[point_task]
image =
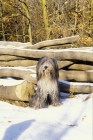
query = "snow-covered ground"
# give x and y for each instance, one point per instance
(70, 121)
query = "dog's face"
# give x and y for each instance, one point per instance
(47, 68)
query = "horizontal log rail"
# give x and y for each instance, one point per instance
(81, 67)
(21, 89)
(19, 63)
(59, 41)
(75, 87)
(79, 76)
(61, 54)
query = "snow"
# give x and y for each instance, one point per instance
(70, 121)
(6, 82)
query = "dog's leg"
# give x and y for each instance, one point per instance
(55, 99)
(33, 99)
(40, 101)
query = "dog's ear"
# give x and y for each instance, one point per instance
(57, 71)
(38, 74)
(56, 68)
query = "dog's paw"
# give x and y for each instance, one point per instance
(57, 104)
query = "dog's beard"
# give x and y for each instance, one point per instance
(47, 83)
(47, 86)
(46, 73)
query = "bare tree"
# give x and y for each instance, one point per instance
(26, 9)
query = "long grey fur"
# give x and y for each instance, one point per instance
(47, 84)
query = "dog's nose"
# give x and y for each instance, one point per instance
(45, 67)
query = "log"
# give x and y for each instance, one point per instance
(75, 87)
(62, 64)
(9, 57)
(16, 89)
(82, 48)
(64, 46)
(54, 42)
(80, 76)
(20, 89)
(17, 72)
(80, 67)
(12, 44)
(19, 63)
(62, 54)
(84, 76)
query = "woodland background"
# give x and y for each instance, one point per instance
(37, 20)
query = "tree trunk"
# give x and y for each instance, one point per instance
(62, 64)
(80, 67)
(1, 12)
(80, 76)
(19, 63)
(45, 18)
(18, 72)
(64, 54)
(60, 41)
(75, 87)
(26, 9)
(18, 90)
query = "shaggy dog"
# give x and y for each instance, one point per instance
(47, 84)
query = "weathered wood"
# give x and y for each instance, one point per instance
(62, 46)
(62, 64)
(17, 90)
(61, 54)
(75, 87)
(19, 63)
(85, 76)
(20, 89)
(9, 57)
(54, 42)
(40, 44)
(80, 76)
(13, 44)
(82, 48)
(81, 67)
(17, 73)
